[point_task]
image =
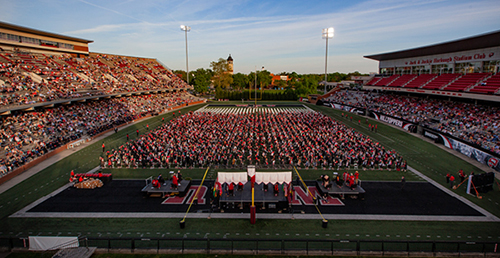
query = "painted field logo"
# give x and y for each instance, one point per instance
(189, 196)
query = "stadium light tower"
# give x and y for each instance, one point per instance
(186, 29)
(327, 34)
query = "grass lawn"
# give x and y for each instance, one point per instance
(421, 155)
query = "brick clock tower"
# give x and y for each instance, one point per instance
(230, 63)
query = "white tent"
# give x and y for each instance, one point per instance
(273, 177)
(232, 177)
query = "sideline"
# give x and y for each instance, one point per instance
(490, 216)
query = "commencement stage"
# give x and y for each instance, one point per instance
(166, 189)
(334, 190)
(262, 198)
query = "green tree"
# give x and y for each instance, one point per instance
(264, 78)
(240, 81)
(221, 76)
(310, 83)
(201, 79)
(182, 74)
(280, 84)
(293, 79)
(251, 80)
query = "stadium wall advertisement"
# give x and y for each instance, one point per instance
(408, 126)
(359, 111)
(450, 142)
(483, 54)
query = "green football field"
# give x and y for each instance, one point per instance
(421, 155)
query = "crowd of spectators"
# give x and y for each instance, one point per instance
(27, 135)
(29, 78)
(476, 124)
(265, 139)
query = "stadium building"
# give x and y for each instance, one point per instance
(464, 68)
(18, 37)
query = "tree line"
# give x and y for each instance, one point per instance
(237, 86)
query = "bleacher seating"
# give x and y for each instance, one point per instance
(420, 80)
(489, 86)
(441, 81)
(30, 77)
(373, 81)
(402, 80)
(387, 80)
(466, 81)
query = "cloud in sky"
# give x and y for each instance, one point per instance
(280, 35)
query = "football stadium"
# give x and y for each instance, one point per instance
(107, 155)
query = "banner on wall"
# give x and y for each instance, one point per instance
(43, 243)
(410, 127)
(347, 108)
(471, 152)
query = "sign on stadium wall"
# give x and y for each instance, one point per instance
(410, 127)
(433, 136)
(346, 108)
(485, 54)
(471, 152)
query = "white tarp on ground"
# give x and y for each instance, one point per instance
(232, 177)
(273, 177)
(42, 243)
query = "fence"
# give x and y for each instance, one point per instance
(276, 246)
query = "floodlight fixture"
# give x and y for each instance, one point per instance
(328, 32)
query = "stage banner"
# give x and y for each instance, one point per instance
(471, 152)
(43, 243)
(408, 126)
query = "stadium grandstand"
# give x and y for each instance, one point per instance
(448, 92)
(53, 91)
(464, 68)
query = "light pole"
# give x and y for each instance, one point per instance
(186, 29)
(327, 33)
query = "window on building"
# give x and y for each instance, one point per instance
(387, 71)
(48, 43)
(441, 69)
(30, 40)
(66, 46)
(491, 66)
(10, 37)
(420, 69)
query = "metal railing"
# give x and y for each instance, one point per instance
(277, 246)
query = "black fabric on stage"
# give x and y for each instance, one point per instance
(381, 198)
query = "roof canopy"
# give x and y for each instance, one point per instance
(41, 33)
(487, 40)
